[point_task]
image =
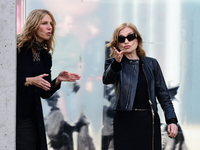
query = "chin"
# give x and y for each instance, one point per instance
(127, 50)
(46, 39)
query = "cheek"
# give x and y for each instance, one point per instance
(120, 46)
(135, 44)
(38, 32)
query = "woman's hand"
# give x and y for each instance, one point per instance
(67, 76)
(172, 130)
(39, 82)
(118, 55)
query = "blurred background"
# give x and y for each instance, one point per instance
(170, 31)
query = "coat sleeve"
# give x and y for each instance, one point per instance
(22, 63)
(46, 94)
(162, 94)
(111, 71)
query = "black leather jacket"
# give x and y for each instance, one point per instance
(125, 83)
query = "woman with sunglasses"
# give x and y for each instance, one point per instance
(138, 82)
(35, 45)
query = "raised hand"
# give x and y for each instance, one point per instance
(118, 55)
(67, 76)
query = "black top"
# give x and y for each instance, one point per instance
(29, 111)
(141, 96)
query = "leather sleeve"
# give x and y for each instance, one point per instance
(110, 75)
(162, 93)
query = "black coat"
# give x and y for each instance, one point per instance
(125, 82)
(24, 93)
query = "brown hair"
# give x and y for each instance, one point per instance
(114, 43)
(28, 33)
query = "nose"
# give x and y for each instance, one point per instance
(126, 40)
(49, 26)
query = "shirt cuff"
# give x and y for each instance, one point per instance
(172, 121)
(116, 66)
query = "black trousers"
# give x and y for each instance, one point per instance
(26, 135)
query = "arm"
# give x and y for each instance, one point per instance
(111, 73)
(162, 94)
(44, 81)
(63, 76)
(113, 67)
(165, 101)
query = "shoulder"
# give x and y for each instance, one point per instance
(26, 47)
(109, 60)
(45, 52)
(150, 60)
(46, 56)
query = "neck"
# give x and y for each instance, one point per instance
(38, 46)
(132, 56)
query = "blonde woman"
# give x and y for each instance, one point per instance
(35, 45)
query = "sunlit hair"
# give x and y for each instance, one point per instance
(114, 42)
(29, 30)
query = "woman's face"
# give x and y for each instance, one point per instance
(127, 46)
(44, 30)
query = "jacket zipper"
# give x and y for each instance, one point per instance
(153, 115)
(152, 111)
(128, 98)
(127, 104)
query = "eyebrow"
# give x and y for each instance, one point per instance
(127, 34)
(45, 21)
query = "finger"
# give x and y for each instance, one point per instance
(117, 52)
(47, 84)
(76, 76)
(172, 130)
(122, 52)
(43, 84)
(114, 49)
(46, 87)
(65, 72)
(168, 129)
(44, 75)
(172, 135)
(68, 74)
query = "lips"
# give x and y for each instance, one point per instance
(49, 33)
(127, 46)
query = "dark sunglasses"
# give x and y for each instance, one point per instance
(130, 37)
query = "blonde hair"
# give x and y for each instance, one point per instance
(29, 30)
(114, 42)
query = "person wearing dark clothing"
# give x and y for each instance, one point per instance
(58, 130)
(35, 44)
(138, 83)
